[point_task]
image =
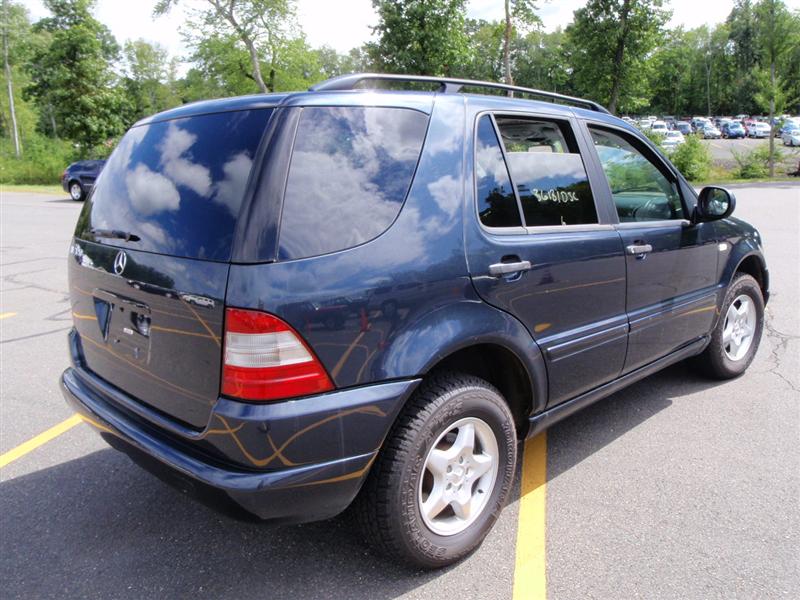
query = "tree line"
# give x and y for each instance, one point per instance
(72, 88)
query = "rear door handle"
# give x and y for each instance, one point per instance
(500, 269)
(639, 248)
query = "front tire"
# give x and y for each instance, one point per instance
(737, 334)
(444, 474)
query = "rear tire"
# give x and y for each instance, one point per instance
(424, 465)
(76, 191)
(737, 334)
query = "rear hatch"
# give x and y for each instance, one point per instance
(150, 258)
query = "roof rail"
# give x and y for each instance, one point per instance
(447, 85)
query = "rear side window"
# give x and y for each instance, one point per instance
(175, 187)
(350, 172)
(548, 172)
(497, 205)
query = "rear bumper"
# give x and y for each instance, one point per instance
(342, 431)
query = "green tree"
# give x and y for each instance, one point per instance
(518, 14)
(149, 79)
(743, 37)
(610, 41)
(15, 25)
(484, 57)
(540, 61)
(776, 34)
(424, 37)
(263, 27)
(71, 76)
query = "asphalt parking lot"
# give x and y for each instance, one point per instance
(722, 151)
(677, 487)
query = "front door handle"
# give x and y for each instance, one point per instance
(500, 269)
(639, 248)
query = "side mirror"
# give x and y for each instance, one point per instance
(713, 203)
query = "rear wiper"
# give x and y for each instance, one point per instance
(116, 234)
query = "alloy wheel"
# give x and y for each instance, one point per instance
(75, 191)
(458, 477)
(739, 327)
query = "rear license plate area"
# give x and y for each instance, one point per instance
(125, 324)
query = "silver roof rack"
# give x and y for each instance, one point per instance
(448, 85)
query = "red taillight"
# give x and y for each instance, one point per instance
(265, 359)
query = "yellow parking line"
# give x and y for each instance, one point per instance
(530, 576)
(5, 315)
(40, 439)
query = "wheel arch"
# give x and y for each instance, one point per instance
(751, 262)
(477, 339)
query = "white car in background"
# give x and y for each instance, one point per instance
(672, 140)
(791, 137)
(711, 133)
(659, 127)
(759, 130)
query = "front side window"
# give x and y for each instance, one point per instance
(548, 172)
(350, 171)
(640, 190)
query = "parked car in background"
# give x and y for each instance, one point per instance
(540, 255)
(659, 127)
(759, 130)
(684, 127)
(672, 140)
(698, 123)
(789, 124)
(791, 137)
(78, 178)
(711, 133)
(733, 130)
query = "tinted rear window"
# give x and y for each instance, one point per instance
(176, 185)
(350, 171)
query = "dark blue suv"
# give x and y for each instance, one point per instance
(292, 303)
(79, 177)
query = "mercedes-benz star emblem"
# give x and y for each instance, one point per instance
(120, 261)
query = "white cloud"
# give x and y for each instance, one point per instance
(532, 168)
(332, 176)
(151, 192)
(230, 191)
(177, 167)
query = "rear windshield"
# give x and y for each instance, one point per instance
(175, 187)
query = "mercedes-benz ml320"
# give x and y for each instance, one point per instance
(290, 303)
